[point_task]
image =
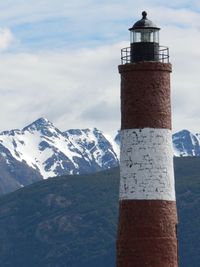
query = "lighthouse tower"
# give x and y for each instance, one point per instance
(147, 205)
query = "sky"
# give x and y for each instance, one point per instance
(59, 60)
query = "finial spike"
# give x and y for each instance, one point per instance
(144, 14)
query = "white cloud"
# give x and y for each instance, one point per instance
(65, 85)
(60, 86)
(6, 38)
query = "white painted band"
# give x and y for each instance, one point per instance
(146, 164)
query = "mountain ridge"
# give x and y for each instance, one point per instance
(51, 152)
(43, 149)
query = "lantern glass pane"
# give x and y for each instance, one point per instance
(156, 36)
(135, 36)
(145, 35)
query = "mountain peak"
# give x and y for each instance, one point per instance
(39, 124)
(44, 127)
(42, 120)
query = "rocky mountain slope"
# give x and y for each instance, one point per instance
(186, 144)
(51, 152)
(63, 222)
(43, 149)
(13, 173)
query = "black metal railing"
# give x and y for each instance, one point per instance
(163, 55)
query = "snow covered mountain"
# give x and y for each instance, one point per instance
(13, 173)
(51, 152)
(186, 144)
(40, 150)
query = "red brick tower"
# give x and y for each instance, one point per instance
(147, 209)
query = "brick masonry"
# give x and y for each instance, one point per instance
(147, 234)
(147, 211)
(145, 95)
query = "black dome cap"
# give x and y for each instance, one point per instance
(144, 23)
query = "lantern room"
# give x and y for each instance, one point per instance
(144, 40)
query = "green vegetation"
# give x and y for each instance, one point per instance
(72, 221)
(187, 172)
(65, 221)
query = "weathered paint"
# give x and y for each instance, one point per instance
(146, 164)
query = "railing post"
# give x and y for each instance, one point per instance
(163, 55)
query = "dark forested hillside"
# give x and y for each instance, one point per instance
(187, 171)
(72, 221)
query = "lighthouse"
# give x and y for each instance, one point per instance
(147, 229)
